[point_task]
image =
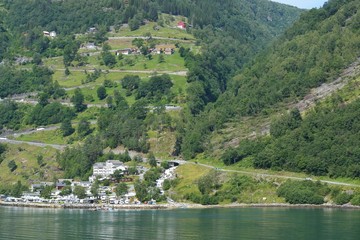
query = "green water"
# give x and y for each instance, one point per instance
(243, 223)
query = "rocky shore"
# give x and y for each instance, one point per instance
(84, 206)
(169, 206)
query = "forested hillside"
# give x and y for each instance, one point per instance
(325, 142)
(238, 18)
(314, 50)
(218, 40)
(216, 82)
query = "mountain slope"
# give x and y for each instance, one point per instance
(313, 51)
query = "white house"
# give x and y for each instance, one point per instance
(125, 51)
(53, 34)
(106, 169)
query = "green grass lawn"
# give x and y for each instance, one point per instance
(55, 136)
(161, 144)
(246, 166)
(90, 92)
(28, 169)
(73, 80)
(139, 62)
(91, 88)
(180, 84)
(165, 32)
(120, 43)
(188, 175)
(51, 137)
(54, 63)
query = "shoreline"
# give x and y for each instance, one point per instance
(105, 207)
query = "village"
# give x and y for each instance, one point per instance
(101, 188)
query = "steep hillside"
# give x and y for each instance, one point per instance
(71, 64)
(77, 16)
(315, 50)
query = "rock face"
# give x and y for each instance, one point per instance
(327, 89)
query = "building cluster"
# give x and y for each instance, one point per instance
(101, 171)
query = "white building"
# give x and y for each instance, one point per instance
(106, 169)
(53, 34)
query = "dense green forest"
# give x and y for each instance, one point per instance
(313, 51)
(13, 81)
(324, 142)
(240, 18)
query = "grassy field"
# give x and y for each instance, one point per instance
(139, 62)
(263, 191)
(246, 166)
(188, 175)
(28, 169)
(78, 75)
(120, 43)
(73, 80)
(164, 32)
(54, 63)
(91, 88)
(162, 143)
(55, 136)
(90, 93)
(51, 137)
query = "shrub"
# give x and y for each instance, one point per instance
(356, 200)
(12, 165)
(342, 198)
(303, 192)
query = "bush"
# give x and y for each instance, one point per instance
(193, 197)
(12, 165)
(342, 198)
(166, 184)
(303, 192)
(165, 165)
(209, 200)
(356, 200)
(101, 92)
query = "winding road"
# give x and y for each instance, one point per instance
(38, 144)
(268, 175)
(4, 139)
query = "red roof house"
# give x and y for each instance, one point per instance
(181, 25)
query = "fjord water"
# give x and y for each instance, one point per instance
(241, 223)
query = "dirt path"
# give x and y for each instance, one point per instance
(268, 175)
